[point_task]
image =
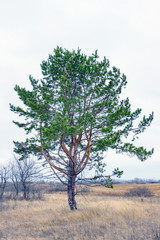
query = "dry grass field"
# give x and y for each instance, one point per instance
(103, 214)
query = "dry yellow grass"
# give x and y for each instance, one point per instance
(120, 189)
(99, 217)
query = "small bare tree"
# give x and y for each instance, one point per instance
(3, 180)
(23, 174)
(15, 178)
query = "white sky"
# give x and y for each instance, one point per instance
(126, 32)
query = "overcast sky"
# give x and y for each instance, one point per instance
(126, 32)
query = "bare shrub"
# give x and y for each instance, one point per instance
(139, 192)
(84, 189)
(3, 180)
(36, 194)
(56, 188)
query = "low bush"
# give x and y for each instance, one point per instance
(57, 188)
(139, 192)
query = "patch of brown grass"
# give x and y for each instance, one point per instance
(98, 217)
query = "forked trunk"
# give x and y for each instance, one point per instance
(71, 192)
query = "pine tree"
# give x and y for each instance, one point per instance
(74, 114)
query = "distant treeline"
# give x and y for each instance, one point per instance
(136, 181)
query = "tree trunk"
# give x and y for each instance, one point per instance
(71, 186)
(24, 191)
(71, 192)
(2, 187)
(2, 192)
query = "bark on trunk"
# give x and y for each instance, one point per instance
(71, 192)
(71, 186)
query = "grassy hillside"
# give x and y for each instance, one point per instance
(102, 214)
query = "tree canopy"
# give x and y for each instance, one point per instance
(75, 113)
